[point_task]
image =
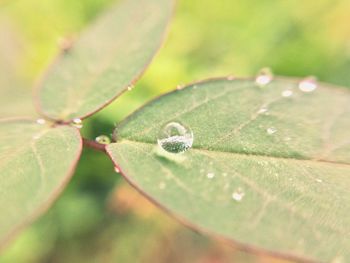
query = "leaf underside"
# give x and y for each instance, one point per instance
(285, 192)
(36, 161)
(105, 60)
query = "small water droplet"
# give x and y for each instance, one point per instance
(319, 180)
(238, 195)
(231, 77)
(103, 139)
(271, 130)
(116, 169)
(41, 121)
(129, 88)
(77, 123)
(162, 185)
(287, 93)
(210, 175)
(308, 84)
(262, 110)
(264, 77)
(175, 138)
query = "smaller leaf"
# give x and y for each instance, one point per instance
(107, 58)
(36, 162)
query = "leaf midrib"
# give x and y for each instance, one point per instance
(343, 164)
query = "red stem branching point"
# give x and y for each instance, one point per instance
(94, 145)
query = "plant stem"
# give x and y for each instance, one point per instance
(94, 145)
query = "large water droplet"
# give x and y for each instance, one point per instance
(175, 138)
(238, 195)
(309, 84)
(103, 139)
(264, 77)
(77, 123)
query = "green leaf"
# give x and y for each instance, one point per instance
(106, 59)
(266, 171)
(36, 162)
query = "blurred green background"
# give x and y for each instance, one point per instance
(99, 218)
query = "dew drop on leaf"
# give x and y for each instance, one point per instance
(308, 84)
(116, 169)
(77, 123)
(175, 138)
(271, 130)
(264, 77)
(103, 139)
(238, 195)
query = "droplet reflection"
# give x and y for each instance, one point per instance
(175, 138)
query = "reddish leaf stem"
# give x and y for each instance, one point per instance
(94, 145)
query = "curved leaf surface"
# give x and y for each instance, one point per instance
(36, 161)
(269, 169)
(106, 59)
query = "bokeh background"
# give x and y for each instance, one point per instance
(99, 218)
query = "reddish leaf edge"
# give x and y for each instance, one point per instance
(63, 50)
(256, 250)
(5, 242)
